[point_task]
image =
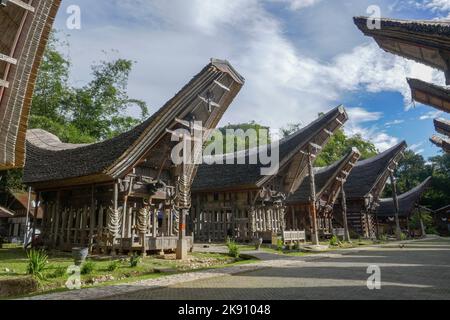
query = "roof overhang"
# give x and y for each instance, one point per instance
(441, 142)
(426, 42)
(204, 99)
(294, 166)
(442, 126)
(430, 94)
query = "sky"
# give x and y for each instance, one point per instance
(299, 58)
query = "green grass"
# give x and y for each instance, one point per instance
(15, 259)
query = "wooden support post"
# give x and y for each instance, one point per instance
(344, 215)
(422, 226)
(312, 188)
(92, 219)
(56, 221)
(63, 228)
(36, 211)
(69, 228)
(116, 210)
(398, 230)
(27, 218)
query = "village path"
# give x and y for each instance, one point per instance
(415, 270)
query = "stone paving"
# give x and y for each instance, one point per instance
(420, 270)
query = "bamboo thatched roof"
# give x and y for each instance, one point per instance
(51, 162)
(293, 159)
(24, 31)
(430, 94)
(328, 180)
(369, 177)
(442, 126)
(406, 202)
(441, 142)
(426, 42)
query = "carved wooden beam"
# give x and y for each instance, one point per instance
(7, 59)
(4, 83)
(18, 3)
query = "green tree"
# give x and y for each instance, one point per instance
(340, 144)
(337, 147)
(92, 113)
(242, 142)
(413, 170)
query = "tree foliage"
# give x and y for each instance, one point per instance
(87, 114)
(413, 170)
(91, 113)
(235, 136)
(337, 147)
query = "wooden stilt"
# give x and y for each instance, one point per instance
(314, 235)
(344, 214)
(92, 219)
(398, 230)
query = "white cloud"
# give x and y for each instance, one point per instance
(360, 115)
(379, 138)
(394, 123)
(416, 148)
(437, 5)
(431, 115)
(171, 41)
(298, 4)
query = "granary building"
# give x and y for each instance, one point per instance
(364, 187)
(126, 193)
(237, 201)
(16, 214)
(406, 205)
(329, 182)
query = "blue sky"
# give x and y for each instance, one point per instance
(299, 58)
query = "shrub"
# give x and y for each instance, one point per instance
(87, 268)
(280, 245)
(383, 237)
(37, 260)
(233, 249)
(403, 236)
(334, 241)
(135, 260)
(113, 266)
(59, 272)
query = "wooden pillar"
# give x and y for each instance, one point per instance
(422, 226)
(27, 218)
(63, 227)
(69, 228)
(36, 210)
(56, 222)
(398, 230)
(344, 214)
(92, 219)
(312, 188)
(116, 211)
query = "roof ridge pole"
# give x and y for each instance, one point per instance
(312, 208)
(344, 214)
(398, 230)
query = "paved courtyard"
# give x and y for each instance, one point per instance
(419, 270)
